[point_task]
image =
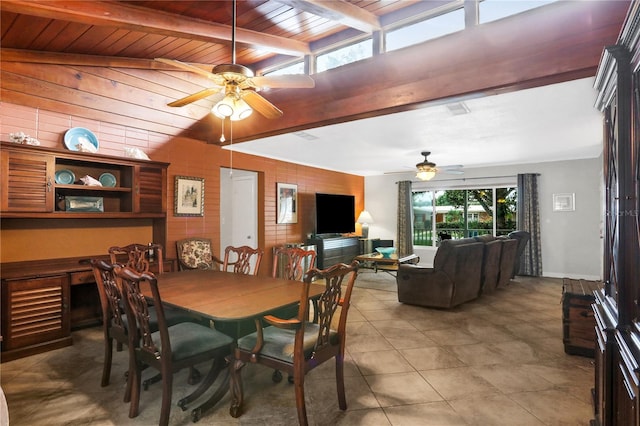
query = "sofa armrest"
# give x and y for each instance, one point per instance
(420, 285)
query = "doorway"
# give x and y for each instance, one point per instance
(238, 208)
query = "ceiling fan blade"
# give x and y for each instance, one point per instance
(197, 96)
(289, 81)
(260, 104)
(451, 171)
(188, 67)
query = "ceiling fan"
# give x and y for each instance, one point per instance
(236, 88)
(426, 170)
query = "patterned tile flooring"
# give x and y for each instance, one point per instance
(498, 360)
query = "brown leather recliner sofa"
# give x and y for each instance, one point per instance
(498, 274)
(454, 279)
(462, 270)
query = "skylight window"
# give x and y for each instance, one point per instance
(345, 55)
(296, 68)
(431, 28)
(492, 10)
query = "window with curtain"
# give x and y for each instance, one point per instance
(461, 213)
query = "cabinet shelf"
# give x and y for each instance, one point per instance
(28, 183)
(83, 215)
(84, 189)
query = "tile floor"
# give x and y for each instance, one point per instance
(495, 361)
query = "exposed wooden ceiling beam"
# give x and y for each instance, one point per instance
(339, 11)
(37, 57)
(139, 18)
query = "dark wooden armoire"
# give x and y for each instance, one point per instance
(616, 394)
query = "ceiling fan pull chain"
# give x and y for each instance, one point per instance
(230, 148)
(222, 139)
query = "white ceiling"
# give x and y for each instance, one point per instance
(549, 123)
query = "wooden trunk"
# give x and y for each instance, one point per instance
(578, 322)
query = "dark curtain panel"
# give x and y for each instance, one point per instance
(529, 220)
(405, 216)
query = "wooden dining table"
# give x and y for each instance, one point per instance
(231, 301)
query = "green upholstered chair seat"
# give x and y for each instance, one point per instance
(189, 339)
(279, 343)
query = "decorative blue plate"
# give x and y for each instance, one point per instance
(108, 180)
(386, 252)
(81, 139)
(65, 177)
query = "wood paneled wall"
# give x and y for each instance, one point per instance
(188, 157)
(559, 42)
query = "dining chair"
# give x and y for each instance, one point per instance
(297, 345)
(169, 349)
(113, 316)
(196, 253)
(139, 256)
(242, 260)
(115, 322)
(292, 263)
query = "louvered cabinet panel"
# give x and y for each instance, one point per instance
(27, 182)
(150, 189)
(35, 311)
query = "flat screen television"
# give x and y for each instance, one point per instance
(335, 214)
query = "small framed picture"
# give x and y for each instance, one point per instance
(564, 202)
(287, 196)
(189, 196)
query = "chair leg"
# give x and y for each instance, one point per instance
(342, 400)
(135, 378)
(298, 384)
(132, 376)
(106, 368)
(167, 385)
(235, 366)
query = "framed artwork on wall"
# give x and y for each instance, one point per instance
(287, 196)
(189, 196)
(564, 202)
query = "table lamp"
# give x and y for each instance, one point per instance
(365, 219)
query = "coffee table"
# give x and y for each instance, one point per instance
(387, 264)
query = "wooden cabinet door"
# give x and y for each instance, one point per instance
(35, 310)
(150, 189)
(27, 182)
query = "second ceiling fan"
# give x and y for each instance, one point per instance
(426, 170)
(236, 87)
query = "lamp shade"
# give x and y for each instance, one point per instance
(365, 217)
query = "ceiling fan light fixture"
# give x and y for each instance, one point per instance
(426, 174)
(233, 107)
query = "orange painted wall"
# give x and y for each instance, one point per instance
(187, 157)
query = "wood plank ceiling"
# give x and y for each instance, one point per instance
(95, 58)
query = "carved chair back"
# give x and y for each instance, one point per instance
(242, 260)
(292, 262)
(138, 256)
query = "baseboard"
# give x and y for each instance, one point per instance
(573, 276)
